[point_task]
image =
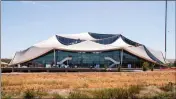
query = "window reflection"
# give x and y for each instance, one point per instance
(87, 59)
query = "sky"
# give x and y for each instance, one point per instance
(24, 23)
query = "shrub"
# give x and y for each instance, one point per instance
(29, 94)
(166, 95)
(152, 67)
(134, 89)
(77, 95)
(174, 63)
(103, 93)
(57, 96)
(117, 93)
(40, 93)
(168, 87)
(6, 97)
(145, 66)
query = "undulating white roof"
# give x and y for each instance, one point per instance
(120, 43)
(157, 54)
(87, 44)
(29, 54)
(52, 42)
(139, 51)
(81, 36)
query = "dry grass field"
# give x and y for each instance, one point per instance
(16, 83)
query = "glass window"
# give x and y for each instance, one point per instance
(68, 41)
(87, 59)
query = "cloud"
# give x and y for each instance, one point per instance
(28, 2)
(34, 3)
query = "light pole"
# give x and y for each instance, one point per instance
(165, 27)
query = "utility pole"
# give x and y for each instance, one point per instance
(165, 28)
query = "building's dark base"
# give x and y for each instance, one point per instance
(8, 70)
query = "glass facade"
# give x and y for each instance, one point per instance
(68, 41)
(100, 36)
(86, 59)
(108, 40)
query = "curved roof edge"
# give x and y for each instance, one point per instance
(137, 51)
(21, 57)
(87, 45)
(81, 36)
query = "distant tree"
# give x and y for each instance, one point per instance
(141, 62)
(6, 60)
(152, 66)
(172, 64)
(145, 66)
(175, 63)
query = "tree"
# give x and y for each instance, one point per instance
(175, 63)
(145, 66)
(152, 66)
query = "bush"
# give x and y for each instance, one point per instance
(168, 87)
(78, 95)
(6, 97)
(117, 93)
(29, 94)
(152, 67)
(40, 93)
(57, 96)
(145, 66)
(175, 63)
(134, 89)
(105, 93)
(165, 95)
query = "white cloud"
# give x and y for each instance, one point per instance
(28, 2)
(34, 3)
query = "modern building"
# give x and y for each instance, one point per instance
(4, 64)
(87, 50)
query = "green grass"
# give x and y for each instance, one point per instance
(168, 87)
(117, 93)
(78, 95)
(57, 96)
(31, 94)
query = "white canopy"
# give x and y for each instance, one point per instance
(52, 42)
(29, 54)
(139, 51)
(120, 43)
(88, 44)
(81, 36)
(157, 54)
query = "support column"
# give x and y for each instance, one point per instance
(54, 57)
(121, 57)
